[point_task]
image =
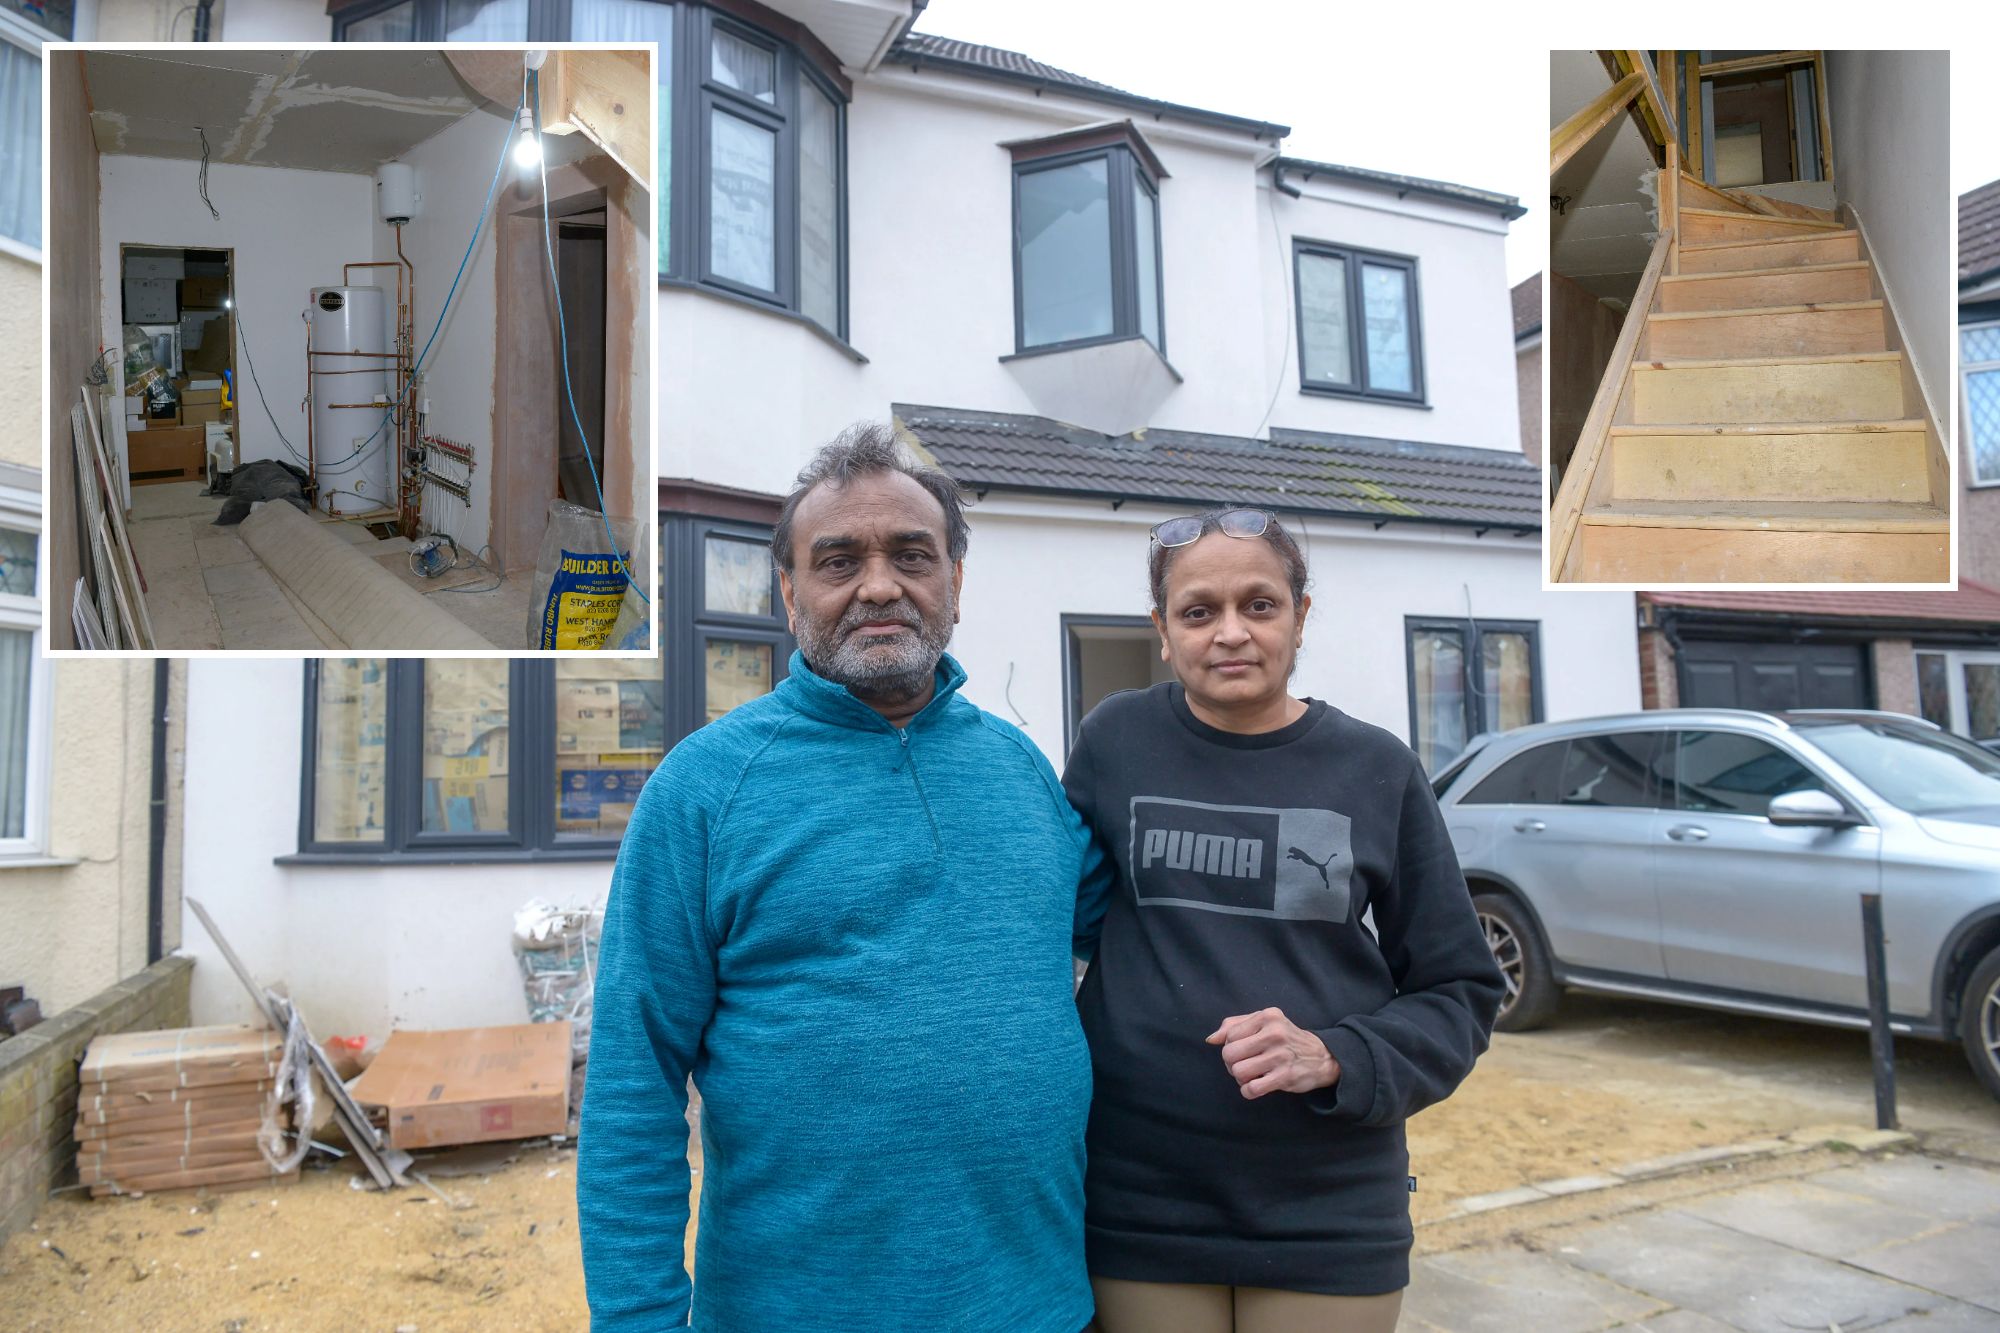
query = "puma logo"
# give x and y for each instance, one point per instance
(1298, 854)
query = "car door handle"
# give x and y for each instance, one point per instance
(1529, 826)
(1687, 833)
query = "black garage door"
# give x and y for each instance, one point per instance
(1719, 674)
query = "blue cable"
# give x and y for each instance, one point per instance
(562, 327)
(470, 245)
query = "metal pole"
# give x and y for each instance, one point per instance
(1881, 1044)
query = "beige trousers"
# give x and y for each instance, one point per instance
(1173, 1307)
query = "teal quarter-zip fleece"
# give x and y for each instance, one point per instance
(856, 940)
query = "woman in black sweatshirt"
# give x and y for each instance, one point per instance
(1258, 1044)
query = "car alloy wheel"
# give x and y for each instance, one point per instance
(1506, 947)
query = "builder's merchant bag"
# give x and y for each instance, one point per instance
(579, 584)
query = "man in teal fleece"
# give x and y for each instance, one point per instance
(846, 909)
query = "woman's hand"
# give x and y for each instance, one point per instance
(1267, 1052)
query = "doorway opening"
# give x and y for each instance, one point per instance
(177, 311)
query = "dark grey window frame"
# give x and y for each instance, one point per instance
(1072, 663)
(531, 792)
(682, 541)
(1473, 630)
(1122, 168)
(1357, 339)
(548, 20)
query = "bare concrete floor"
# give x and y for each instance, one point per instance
(206, 589)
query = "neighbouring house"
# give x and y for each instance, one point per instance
(1932, 654)
(1763, 228)
(1979, 384)
(1528, 364)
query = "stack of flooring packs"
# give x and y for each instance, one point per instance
(175, 1108)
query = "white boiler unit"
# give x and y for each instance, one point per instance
(353, 357)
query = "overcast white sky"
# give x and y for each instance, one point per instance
(1435, 109)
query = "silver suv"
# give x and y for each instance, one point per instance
(1717, 857)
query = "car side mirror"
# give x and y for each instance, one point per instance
(1810, 809)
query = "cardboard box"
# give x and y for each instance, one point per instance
(150, 301)
(200, 414)
(212, 357)
(204, 293)
(176, 450)
(470, 1085)
(155, 267)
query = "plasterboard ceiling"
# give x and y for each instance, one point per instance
(337, 110)
(1604, 233)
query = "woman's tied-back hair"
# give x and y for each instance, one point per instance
(866, 449)
(1161, 558)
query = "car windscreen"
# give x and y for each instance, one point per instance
(1923, 772)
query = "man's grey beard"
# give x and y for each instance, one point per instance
(879, 672)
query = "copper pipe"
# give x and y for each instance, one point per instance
(395, 355)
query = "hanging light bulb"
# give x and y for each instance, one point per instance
(527, 149)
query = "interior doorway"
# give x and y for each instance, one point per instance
(176, 314)
(1103, 655)
(580, 263)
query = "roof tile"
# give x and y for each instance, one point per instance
(1974, 603)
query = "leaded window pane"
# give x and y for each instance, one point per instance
(1982, 421)
(1979, 344)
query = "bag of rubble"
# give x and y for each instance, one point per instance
(579, 582)
(556, 949)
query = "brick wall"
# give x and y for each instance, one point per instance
(38, 1081)
(1658, 687)
(1895, 662)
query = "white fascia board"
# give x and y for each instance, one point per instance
(1382, 199)
(1138, 517)
(1059, 108)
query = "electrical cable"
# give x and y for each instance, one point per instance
(202, 180)
(354, 459)
(562, 329)
(477, 559)
(251, 361)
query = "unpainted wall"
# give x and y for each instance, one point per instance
(72, 261)
(1581, 335)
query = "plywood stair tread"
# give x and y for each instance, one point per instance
(1740, 311)
(1833, 230)
(1770, 515)
(1772, 428)
(1738, 362)
(1730, 213)
(1781, 271)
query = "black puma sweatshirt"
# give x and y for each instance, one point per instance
(1244, 867)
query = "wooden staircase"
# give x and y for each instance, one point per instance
(1758, 422)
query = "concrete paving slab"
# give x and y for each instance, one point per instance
(1951, 1317)
(1752, 1284)
(1510, 1288)
(1681, 1321)
(1962, 1261)
(1818, 1219)
(1948, 1191)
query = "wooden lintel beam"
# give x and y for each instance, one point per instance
(607, 97)
(1751, 64)
(1691, 76)
(1566, 138)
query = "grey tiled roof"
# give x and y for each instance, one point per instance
(923, 50)
(1508, 205)
(1301, 472)
(1979, 234)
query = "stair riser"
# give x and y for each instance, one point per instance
(1649, 556)
(1706, 229)
(1801, 287)
(1804, 333)
(1863, 467)
(1845, 391)
(1835, 248)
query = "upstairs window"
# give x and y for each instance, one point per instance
(20, 140)
(1979, 376)
(1359, 333)
(1087, 241)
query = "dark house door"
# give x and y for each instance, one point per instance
(1774, 676)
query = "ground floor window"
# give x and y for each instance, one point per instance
(1103, 655)
(724, 636)
(24, 683)
(1979, 375)
(477, 756)
(1468, 677)
(1960, 691)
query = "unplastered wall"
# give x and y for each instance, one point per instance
(73, 338)
(1891, 126)
(454, 170)
(290, 230)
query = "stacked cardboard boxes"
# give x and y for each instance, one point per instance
(175, 1108)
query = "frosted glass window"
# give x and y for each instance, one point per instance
(1385, 296)
(486, 20)
(1065, 261)
(398, 23)
(744, 67)
(819, 206)
(742, 200)
(20, 145)
(1145, 234)
(1324, 347)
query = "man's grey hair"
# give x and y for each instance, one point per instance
(867, 449)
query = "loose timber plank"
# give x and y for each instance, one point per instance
(1714, 226)
(1673, 555)
(1838, 247)
(1740, 289)
(1775, 331)
(1856, 387)
(1801, 466)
